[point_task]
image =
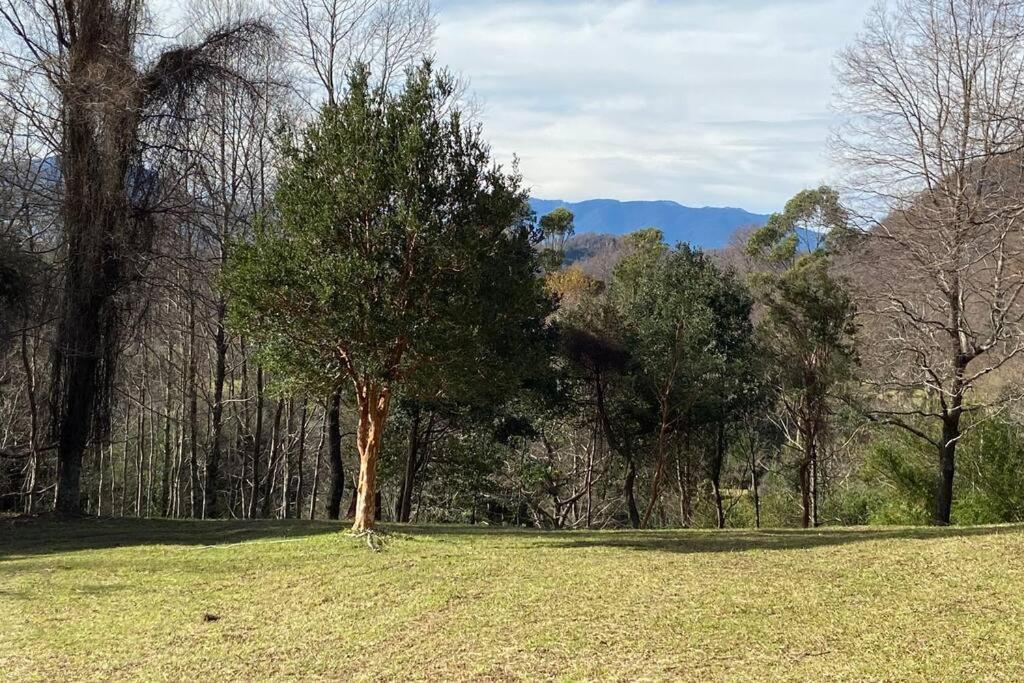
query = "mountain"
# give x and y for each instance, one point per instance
(708, 227)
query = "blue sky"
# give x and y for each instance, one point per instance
(705, 102)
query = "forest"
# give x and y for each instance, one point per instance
(272, 269)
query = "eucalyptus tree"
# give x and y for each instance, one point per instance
(398, 255)
(807, 323)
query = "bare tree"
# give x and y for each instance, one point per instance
(116, 117)
(931, 95)
(326, 37)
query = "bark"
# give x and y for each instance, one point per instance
(373, 401)
(316, 468)
(275, 452)
(629, 491)
(404, 511)
(717, 462)
(124, 454)
(755, 486)
(337, 467)
(193, 418)
(805, 474)
(213, 457)
(947, 469)
(33, 463)
(254, 492)
(165, 485)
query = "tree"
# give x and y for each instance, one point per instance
(806, 324)
(326, 37)
(930, 93)
(398, 253)
(558, 226)
(666, 299)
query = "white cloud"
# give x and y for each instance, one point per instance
(717, 102)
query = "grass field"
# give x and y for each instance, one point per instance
(103, 599)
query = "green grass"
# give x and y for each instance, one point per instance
(103, 599)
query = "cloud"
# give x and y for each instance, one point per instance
(707, 102)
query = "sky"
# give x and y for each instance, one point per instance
(704, 102)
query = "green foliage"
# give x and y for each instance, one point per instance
(810, 211)
(663, 298)
(898, 480)
(557, 226)
(398, 253)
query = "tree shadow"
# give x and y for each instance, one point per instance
(25, 537)
(735, 541)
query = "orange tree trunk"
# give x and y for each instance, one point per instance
(374, 401)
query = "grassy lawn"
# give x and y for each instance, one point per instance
(102, 599)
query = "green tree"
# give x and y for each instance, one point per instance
(807, 324)
(666, 298)
(558, 226)
(398, 258)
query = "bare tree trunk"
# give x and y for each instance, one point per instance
(299, 480)
(629, 489)
(755, 481)
(33, 414)
(213, 457)
(805, 482)
(140, 453)
(316, 467)
(275, 452)
(165, 483)
(256, 447)
(717, 463)
(947, 469)
(411, 465)
(124, 453)
(373, 402)
(334, 458)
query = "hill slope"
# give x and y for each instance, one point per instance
(177, 600)
(708, 227)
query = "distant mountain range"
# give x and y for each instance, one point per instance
(708, 227)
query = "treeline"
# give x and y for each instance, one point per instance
(275, 272)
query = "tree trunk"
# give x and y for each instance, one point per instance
(33, 452)
(755, 485)
(411, 464)
(629, 489)
(947, 469)
(337, 467)
(373, 401)
(717, 464)
(805, 489)
(165, 482)
(213, 457)
(124, 453)
(254, 492)
(193, 417)
(272, 464)
(316, 468)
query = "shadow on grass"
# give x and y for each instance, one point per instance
(782, 539)
(44, 536)
(727, 541)
(20, 537)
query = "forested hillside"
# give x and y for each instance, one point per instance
(707, 227)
